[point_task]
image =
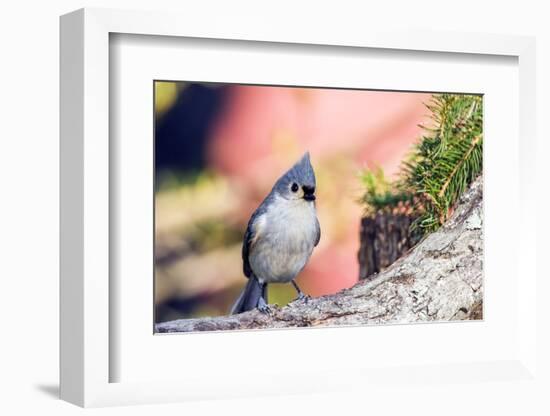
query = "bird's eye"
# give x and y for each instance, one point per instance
(294, 187)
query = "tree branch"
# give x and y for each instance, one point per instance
(440, 279)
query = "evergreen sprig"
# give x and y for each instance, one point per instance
(441, 166)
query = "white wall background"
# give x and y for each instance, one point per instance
(29, 204)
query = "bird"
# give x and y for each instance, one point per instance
(280, 237)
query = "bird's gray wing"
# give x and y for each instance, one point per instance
(250, 237)
(318, 230)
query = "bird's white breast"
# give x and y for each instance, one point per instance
(286, 235)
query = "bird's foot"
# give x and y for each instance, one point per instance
(302, 297)
(263, 307)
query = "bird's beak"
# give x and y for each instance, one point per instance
(309, 192)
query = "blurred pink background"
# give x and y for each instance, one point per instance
(266, 129)
(261, 131)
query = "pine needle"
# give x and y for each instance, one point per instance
(440, 167)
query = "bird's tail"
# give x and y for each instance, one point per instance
(250, 296)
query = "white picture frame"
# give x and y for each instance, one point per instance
(87, 356)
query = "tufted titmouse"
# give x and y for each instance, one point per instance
(280, 236)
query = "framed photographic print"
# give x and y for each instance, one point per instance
(261, 188)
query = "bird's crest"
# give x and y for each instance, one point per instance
(302, 172)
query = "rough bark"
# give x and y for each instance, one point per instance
(440, 279)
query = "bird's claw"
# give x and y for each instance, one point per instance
(303, 297)
(263, 307)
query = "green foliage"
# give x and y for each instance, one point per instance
(441, 166)
(380, 193)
